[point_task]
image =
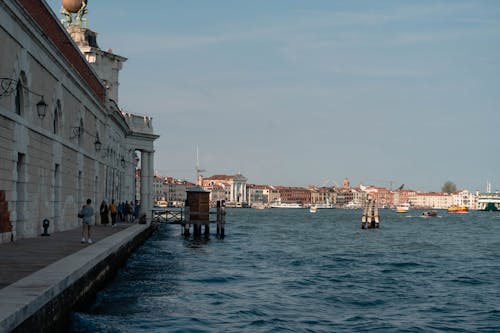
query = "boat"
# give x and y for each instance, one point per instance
(313, 209)
(490, 207)
(324, 206)
(458, 209)
(286, 205)
(161, 204)
(403, 208)
(430, 213)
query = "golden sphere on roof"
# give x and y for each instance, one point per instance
(72, 6)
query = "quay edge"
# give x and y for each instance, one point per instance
(44, 300)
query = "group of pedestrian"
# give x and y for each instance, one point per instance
(128, 211)
(124, 211)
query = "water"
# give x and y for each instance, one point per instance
(282, 270)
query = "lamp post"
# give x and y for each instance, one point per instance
(97, 144)
(8, 86)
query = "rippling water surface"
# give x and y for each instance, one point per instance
(287, 270)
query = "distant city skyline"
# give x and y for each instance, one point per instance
(301, 92)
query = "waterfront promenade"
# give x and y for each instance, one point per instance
(41, 277)
(26, 256)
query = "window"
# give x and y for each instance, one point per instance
(20, 94)
(57, 117)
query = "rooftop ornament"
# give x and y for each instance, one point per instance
(70, 7)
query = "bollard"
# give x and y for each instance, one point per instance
(45, 225)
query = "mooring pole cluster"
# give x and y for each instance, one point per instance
(370, 214)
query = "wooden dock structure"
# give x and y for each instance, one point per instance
(370, 218)
(195, 216)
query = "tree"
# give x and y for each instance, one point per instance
(449, 187)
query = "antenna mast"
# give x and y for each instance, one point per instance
(198, 169)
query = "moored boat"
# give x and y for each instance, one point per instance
(313, 209)
(286, 205)
(403, 208)
(458, 209)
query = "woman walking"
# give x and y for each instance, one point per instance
(87, 214)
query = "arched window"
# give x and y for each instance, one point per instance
(20, 94)
(57, 117)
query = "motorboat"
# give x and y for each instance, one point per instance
(313, 209)
(429, 213)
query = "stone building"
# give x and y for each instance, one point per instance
(83, 146)
(435, 200)
(175, 191)
(290, 194)
(257, 194)
(323, 195)
(234, 185)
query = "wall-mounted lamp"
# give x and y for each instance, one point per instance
(41, 108)
(8, 86)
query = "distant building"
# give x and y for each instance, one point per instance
(299, 195)
(158, 193)
(465, 198)
(217, 193)
(174, 191)
(403, 196)
(323, 195)
(272, 193)
(234, 187)
(383, 196)
(257, 194)
(435, 200)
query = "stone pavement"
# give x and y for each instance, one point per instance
(45, 278)
(26, 256)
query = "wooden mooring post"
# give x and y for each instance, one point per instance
(221, 218)
(370, 216)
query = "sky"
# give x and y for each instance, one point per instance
(309, 92)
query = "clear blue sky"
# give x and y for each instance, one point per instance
(299, 92)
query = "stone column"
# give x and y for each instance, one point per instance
(151, 172)
(147, 172)
(145, 190)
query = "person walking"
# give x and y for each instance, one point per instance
(113, 209)
(121, 211)
(103, 210)
(128, 212)
(87, 214)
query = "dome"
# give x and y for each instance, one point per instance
(72, 6)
